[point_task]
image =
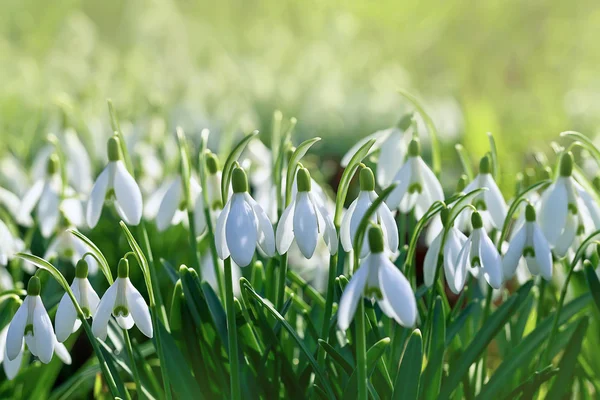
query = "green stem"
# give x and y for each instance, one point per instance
(134, 370)
(281, 283)
(194, 243)
(361, 351)
(540, 305)
(328, 307)
(486, 313)
(232, 333)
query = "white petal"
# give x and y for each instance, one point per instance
(14, 337)
(65, 318)
(128, 194)
(220, 238)
(285, 229)
(494, 201)
(590, 204)
(363, 202)
(48, 210)
(266, 236)
(104, 311)
(12, 367)
(379, 137)
(29, 201)
(397, 292)
(543, 254)
(454, 243)
(391, 157)
(552, 216)
(463, 264)
(72, 209)
(388, 225)
(92, 297)
(97, 197)
(353, 293)
(306, 230)
(432, 189)
(125, 322)
(62, 353)
(567, 236)
(139, 310)
(431, 260)
(199, 217)
(402, 179)
(241, 230)
(511, 258)
(169, 205)
(345, 235)
(324, 218)
(43, 332)
(490, 262)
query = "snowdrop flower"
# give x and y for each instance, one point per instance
(453, 243)
(9, 244)
(304, 220)
(11, 367)
(378, 278)
(530, 243)
(66, 321)
(357, 210)
(12, 203)
(213, 182)
(489, 203)
(243, 225)
(115, 183)
(32, 323)
(66, 245)
(173, 207)
(208, 274)
(565, 209)
(478, 252)
(125, 303)
(418, 186)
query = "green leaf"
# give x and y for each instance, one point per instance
(593, 283)
(494, 154)
(532, 384)
(432, 376)
(564, 379)
(409, 373)
(465, 161)
(374, 355)
(586, 143)
(216, 310)
(104, 267)
(230, 162)
(433, 133)
(482, 339)
(300, 152)
(337, 357)
(458, 323)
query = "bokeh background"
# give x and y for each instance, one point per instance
(524, 70)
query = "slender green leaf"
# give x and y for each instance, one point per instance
(593, 283)
(465, 161)
(104, 267)
(459, 322)
(230, 162)
(432, 376)
(374, 355)
(586, 142)
(337, 357)
(216, 310)
(409, 373)
(494, 154)
(300, 152)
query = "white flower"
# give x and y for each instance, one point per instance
(32, 323)
(528, 242)
(9, 245)
(213, 182)
(478, 252)
(489, 203)
(125, 303)
(304, 220)
(115, 183)
(418, 186)
(356, 212)
(208, 274)
(453, 244)
(378, 278)
(173, 208)
(66, 321)
(12, 203)
(243, 225)
(66, 245)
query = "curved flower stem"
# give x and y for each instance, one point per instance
(134, 370)
(361, 351)
(232, 334)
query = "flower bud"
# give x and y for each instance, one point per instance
(376, 239)
(212, 162)
(123, 270)
(366, 179)
(566, 164)
(114, 149)
(239, 180)
(81, 270)
(34, 287)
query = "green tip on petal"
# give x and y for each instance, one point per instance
(303, 180)
(239, 180)
(376, 239)
(529, 213)
(34, 287)
(123, 268)
(476, 220)
(81, 270)
(367, 180)
(113, 149)
(566, 164)
(462, 183)
(414, 148)
(212, 162)
(485, 165)
(53, 165)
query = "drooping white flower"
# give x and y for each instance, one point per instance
(12, 203)
(173, 207)
(304, 220)
(123, 301)
(489, 203)
(479, 253)
(66, 321)
(243, 225)
(356, 212)
(66, 245)
(9, 246)
(453, 244)
(378, 278)
(32, 324)
(418, 187)
(530, 243)
(208, 273)
(115, 183)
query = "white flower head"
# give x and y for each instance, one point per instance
(174, 205)
(478, 254)
(243, 225)
(123, 301)
(377, 277)
(115, 183)
(490, 203)
(418, 187)
(9, 244)
(66, 321)
(32, 324)
(357, 210)
(304, 220)
(530, 243)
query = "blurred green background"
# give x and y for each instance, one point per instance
(524, 70)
